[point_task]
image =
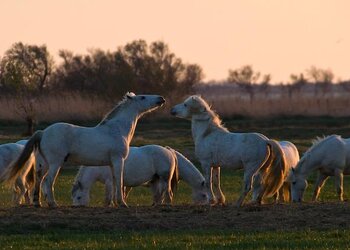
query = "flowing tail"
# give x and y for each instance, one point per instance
(175, 178)
(15, 169)
(273, 176)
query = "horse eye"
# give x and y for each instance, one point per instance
(203, 195)
(143, 98)
(79, 197)
(294, 182)
(185, 104)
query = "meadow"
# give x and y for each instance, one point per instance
(323, 225)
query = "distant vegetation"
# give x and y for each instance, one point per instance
(34, 87)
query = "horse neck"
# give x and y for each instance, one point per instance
(308, 167)
(88, 178)
(190, 174)
(202, 127)
(199, 128)
(125, 123)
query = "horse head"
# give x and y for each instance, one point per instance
(80, 195)
(144, 103)
(299, 184)
(193, 105)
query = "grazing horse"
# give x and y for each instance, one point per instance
(24, 183)
(292, 157)
(216, 147)
(105, 144)
(331, 157)
(148, 165)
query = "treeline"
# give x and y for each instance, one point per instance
(83, 86)
(137, 66)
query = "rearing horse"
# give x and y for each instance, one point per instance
(105, 144)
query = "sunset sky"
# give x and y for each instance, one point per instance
(279, 37)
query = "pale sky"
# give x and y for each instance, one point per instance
(279, 37)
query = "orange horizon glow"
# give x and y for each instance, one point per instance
(277, 37)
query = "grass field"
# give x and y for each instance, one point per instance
(17, 233)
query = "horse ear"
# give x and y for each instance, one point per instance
(130, 95)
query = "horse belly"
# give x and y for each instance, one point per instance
(88, 159)
(137, 170)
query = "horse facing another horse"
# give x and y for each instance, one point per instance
(105, 144)
(216, 147)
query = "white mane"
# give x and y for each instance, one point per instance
(117, 108)
(213, 116)
(318, 141)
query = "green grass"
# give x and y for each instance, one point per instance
(176, 133)
(189, 239)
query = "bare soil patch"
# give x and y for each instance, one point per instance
(248, 218)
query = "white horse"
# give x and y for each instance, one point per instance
(105, 144)
(153, 165)
(292, 157)
(331, 157)
(24, 183)
(216, 147)
(148, 164)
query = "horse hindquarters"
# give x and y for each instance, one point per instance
(250, 169)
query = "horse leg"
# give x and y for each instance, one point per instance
(118, 179)
(27, 197)
(338, 174)
(284, 192)
(156, 187)
(208, 175)
(108, 193)
(40, 174)
(247, 186)
(216, 181)
(257, 187)
(168, 193)
(126, 191)
(321, 180)
(22, 191)
(15, 194)
(48, 185)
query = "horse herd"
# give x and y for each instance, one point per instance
(272, 169)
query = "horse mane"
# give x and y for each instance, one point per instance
(315, 142)
(215, 121)
(318, 141)
(116, 109)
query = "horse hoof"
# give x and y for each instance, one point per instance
(52, 205)
(37, 204)
(123, 205)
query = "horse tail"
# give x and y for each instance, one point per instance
(268, 159)
(286, 191)
(15, 168)
(30, 178)
(175, 178)
(273, 177)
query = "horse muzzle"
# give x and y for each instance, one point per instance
(161, 101)
(173, 111)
